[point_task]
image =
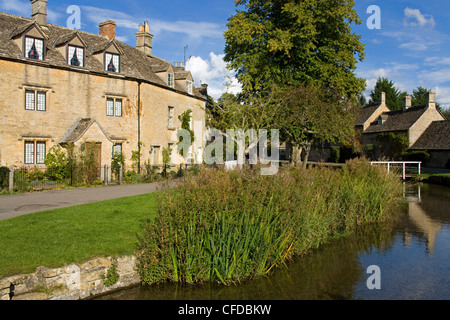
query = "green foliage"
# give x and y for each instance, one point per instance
(226, 226)
(57, 164)
(393, 145)
(4, 177)
(185, 119)
(335, 154)
(419, 155)
(136, 156)
(394, 97)
(309, 115)
(285, 43)
(117, 161)
(111, 277)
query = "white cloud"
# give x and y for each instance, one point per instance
(194, 30)
(213, 72)
(16, 6)
(438, 76)
(443, 96)
(414, 18)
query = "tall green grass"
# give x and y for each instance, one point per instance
(227, 226)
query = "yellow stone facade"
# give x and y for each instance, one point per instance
(78, 95)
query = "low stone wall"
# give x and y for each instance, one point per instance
(72, 282)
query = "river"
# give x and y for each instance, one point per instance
(411, 256)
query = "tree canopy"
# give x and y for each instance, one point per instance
(289, 42)
(394, 97)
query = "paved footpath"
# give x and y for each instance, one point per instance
(16, 205)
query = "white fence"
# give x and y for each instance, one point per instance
(392, 164)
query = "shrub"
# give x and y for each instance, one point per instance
(227, 226)
(4, 177)
(335, 154)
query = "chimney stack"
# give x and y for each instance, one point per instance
(431, 99)
(407, 103)
(144, 39)
(383, 98)
(39, 11)
(107, 29)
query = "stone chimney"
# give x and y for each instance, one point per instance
(431, 99)
(407, 103)
(107, 29)
(383, 98)
(39, 11)
(144, 39)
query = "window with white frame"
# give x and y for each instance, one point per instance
(114, 107)
(34, 48)
(112, 62)
(189, 86)
(35, 100)
(170, 80)
(35, 152)
(75, 56)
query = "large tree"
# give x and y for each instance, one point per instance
(290, 42)
(314, 115)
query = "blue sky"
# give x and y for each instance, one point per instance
(412, 47)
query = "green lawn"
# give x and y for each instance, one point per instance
(72, 235)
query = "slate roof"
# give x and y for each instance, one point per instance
(364, 114)
(397, 120)
(436, 137)
(134, 63)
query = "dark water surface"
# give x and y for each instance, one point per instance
(412, 253)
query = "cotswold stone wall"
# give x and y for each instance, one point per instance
(72, 282)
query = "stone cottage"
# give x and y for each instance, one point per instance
(411, 122)
(62, 86)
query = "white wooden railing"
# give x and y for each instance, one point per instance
(403, 163)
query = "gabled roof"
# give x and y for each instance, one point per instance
(397, 120)
(364, 114)
(78, 130)
(134, 63)
(436, 137)
(66, 38)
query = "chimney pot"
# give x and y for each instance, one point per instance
(383, 98)
(108, 29)
(431, 99)
(39, 11)
(407, 103)
(144, 39)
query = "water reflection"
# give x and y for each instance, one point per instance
(412, 252)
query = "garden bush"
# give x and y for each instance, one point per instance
(227, 226)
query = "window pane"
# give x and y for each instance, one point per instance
(40, 48)
(34, 48)
(112, 62)
(117, 148)
(29, 152)
(170, 122)
(29, 100)
(40, 152)
(80, 55)
(41, 101)
(118, 108)
(109, 107)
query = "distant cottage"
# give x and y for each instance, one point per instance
(424, 127)
(61, 86)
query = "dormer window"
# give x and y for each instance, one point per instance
(112, 62)
(189, 86)
(170, 80)
(34, 48)
(75, 56)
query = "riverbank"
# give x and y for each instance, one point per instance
(228, 226)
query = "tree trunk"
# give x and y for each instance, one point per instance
(296, 155)
(307, 153)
